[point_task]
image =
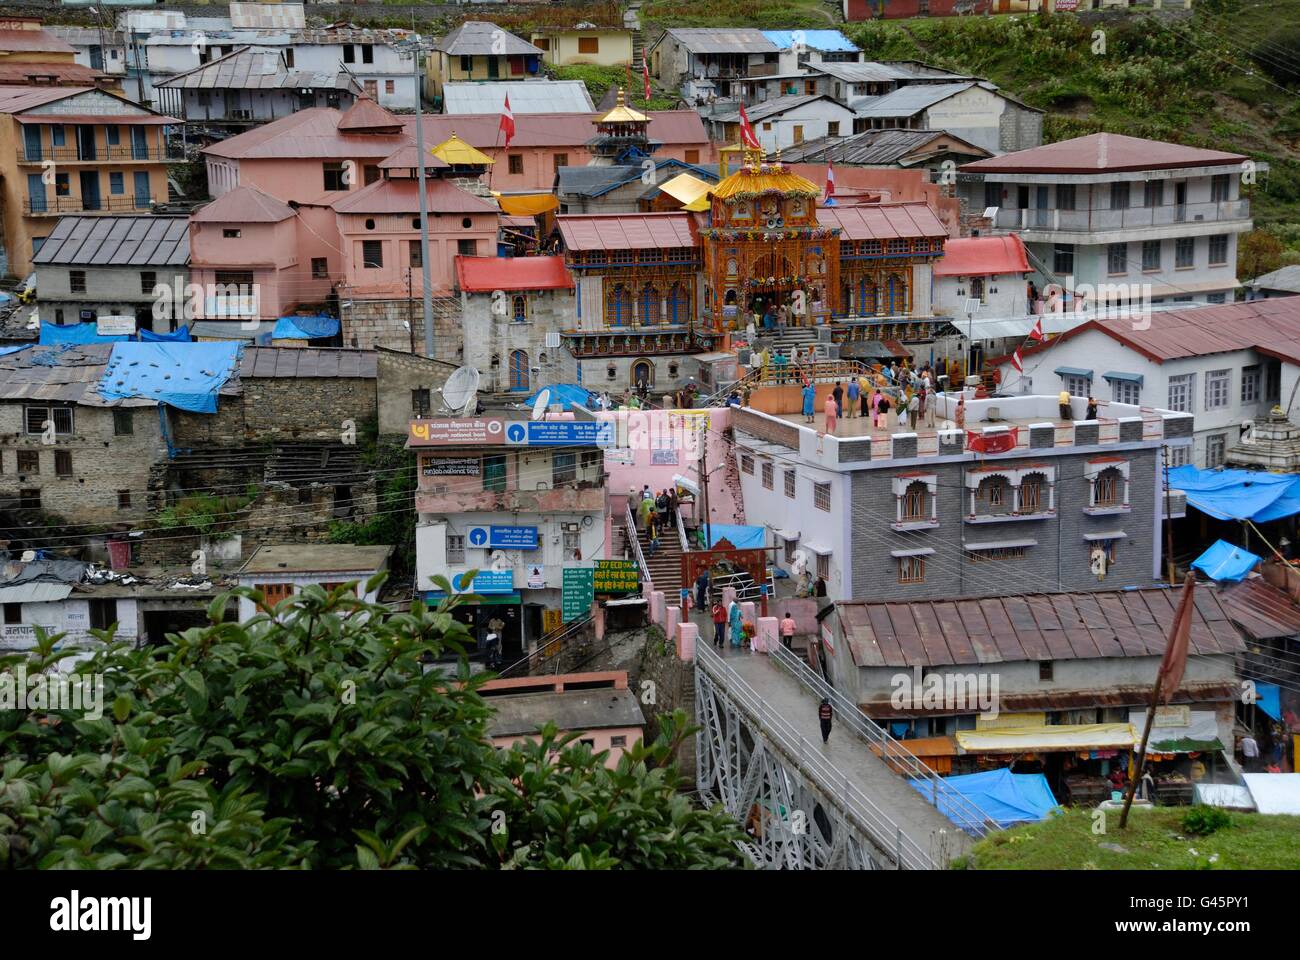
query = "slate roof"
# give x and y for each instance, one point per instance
(478, 38)
(526, 713)
(60, 374)
(284, 362)
(526, 96)
(257, 68)
(145, 240)
(713, 40)
(866, 148)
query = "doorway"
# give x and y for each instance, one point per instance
(90, 189)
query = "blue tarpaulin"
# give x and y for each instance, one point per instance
(742, 537)
(180, 335)
(305, 328)
(53, 333)
(183, 375)
(566, 394)
(1224, 561)
(1006, 798)
(5, 351)
(1239, 494)
(1269, 699)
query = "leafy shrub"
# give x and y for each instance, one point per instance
(1203, 821)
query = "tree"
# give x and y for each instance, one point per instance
(1258, 253)
(318, 735)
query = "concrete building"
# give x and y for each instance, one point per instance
(583, 43)
(91, 267)
(975, 110)
(518, 501)
(1016, 499)
(990, 270)
(1225, 365)
(111, 157)
(803, 50)
(787, 121)
(703, 64)
(281, 571)
(101, 51)
(1114, 218)
(478, 50)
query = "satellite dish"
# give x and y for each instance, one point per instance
(539, 405)
(461, 389)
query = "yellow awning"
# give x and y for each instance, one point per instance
(527, 204)
(1085, 736)
(457, 152)
(698, 205)
(686, 188)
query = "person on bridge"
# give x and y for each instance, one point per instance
(824, 714)
(719, 623)
(809, 400)
(787, 630)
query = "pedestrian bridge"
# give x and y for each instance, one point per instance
(848, 804)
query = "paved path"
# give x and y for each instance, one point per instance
(927, 827)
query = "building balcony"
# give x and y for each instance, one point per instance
(1037, 223)
(112, 154)
(640, 341)
(564, 499)
(57, 206)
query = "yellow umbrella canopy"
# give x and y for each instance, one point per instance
(457, 152)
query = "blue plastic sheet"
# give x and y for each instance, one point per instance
(566, 394)
(1006, 798)
(1224, 561)
(305, 328)
(1239, 494)
(5, 351)
(52, 333)
(742, 537)
(1269, 699)
(180, 335)
(182, 375)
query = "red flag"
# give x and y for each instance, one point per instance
(645, 76)
(508, 122)
(830, 179)
(1015, 361)
(1037, 332)
(1175, 659)
(747, 136)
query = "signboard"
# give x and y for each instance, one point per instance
(578, 593)
(115, 326)
(620, 455)
(1065, 6)
(663, 457)
(536, 577)
(503, 538)
(1179, 716)
(449, 431)
(617, 576)
(451, 466)
(487, 581)
(561, 433)
(19, 636)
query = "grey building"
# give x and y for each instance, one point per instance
(92, 267)
(704, 63)
(1284, 282)
(975, 110)
(1017, 500)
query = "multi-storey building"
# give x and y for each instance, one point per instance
(1109, 217)
(478, 50)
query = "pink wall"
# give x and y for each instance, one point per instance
(302, 180)
(269, 250)
(396, 233)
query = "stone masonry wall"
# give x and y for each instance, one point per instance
(305, 408)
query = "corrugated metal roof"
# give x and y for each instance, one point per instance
(1287, 278)
(480, 38)
(526, 96)
(285, 362)
(257, 68)
(980, 256)
(626, 231)
(870, 72)
(368, 116)
(85, 36)
(711, 40)
(35, 592)
(403, 196)
(827, 41)
(19, 98)
(871, 147)
(64, 74)
(906, 101)
(775, 106)
(144, 240)
(1102, 151)
(883, 221)
(244, 204)
(1261, 609)
(482, 274)
(32, 41)
(268, 15)
(1055, 626)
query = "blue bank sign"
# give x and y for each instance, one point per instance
(503, 538)
(561, 433)
(487, 581)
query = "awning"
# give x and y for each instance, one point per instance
(1269, 699)
(1073, 372)
(1118, 375)
(687, 484)
(741, 536)
(1061, 737)
(916, 552)
(35, 592)
(484, 599)
(817, 548)
(787, 535)
(1224, 561)
(1236, 494)
(527, 204)
(685, 188)
(1106, 535)
(999, 544)
(1198, 735)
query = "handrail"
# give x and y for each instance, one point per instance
(877, 824)
(959, 809)
(629, 523)
(681, 528)
(562, 632)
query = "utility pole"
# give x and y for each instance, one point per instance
(410, 310)
(416, 49)
(704, 487)
(1169, 525)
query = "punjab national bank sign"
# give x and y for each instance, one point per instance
(454, 431)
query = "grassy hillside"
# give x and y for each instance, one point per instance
(1156, 839)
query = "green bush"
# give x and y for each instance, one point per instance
(1203, 821)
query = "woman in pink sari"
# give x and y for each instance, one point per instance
(832, 414)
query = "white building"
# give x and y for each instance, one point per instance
(975, 110)
(799, 50)
(102, 50)
(989, 270)
(1110, 217)
(280, 571)
(1225, 365)
(786, 121)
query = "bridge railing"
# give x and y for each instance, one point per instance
(878, 825)
(956, 807)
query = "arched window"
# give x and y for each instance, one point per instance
(1033, 493)
(643, 370)
(916, 501)
(896, 295)
(618, 309)
(651, 308)
(1108, 488)
(519, 370)
(994, 496)
(519, 307)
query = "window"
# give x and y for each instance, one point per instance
(1218, 384)
(335, 175)
(988, 554)
(1116, 258)
(29, 461)
(466, 63)
(911, 569)
(62, 185)
(768, 473)
(494, 473)
(13, 613)
(1044, 669)
(148, 282)
(560, 160)
(1215, 447)
(35, 419)
(824, 566)
(1108, 488)
(992, 195)
(1126, 391)
(420, 402)
(822, 496)
(1179, 456)
(994, 495)
(1220, 187)
(516, 161)
(692, 156)
(564, 469)
(103, 612)
(572, 545)
(1065, 196)
(77, 281)
(747, 464)
(320, 268)
(1063, 258)
(790, 480)
(1150, 254)
(1031, 493)
(123, 422)
(414, 255)
(390, 86)
(63, 463)
(915, 506)
(288, 57)
(1153, 193)
(349, 53)
(1250, 384)
(1119, 196)
(1180, 392)
(519, 308)
(455, 549)
(1184, 252)
(1076, 386)
(273, 593)
(124, 499)
(618, 741)
(372, 253)
(542, 43)
(1219, 249)
(116, 182)
(589, 45)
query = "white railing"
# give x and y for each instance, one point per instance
(893, 752)
(1127, 218)
(857, 806)
(629, 522)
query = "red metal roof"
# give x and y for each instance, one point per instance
(69, 74)
(33, 41)
(1103, 151)
(405, 158)
(1261, 609)
(1054, 626)
(143, 120)
(403, 196)
(1271, 327)
(307, 134)
(365, 114)
(977, 256)
(243, 204)
(883, 221)
(483, 274)
(626, 231)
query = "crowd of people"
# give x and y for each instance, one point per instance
(897, 397)
(654, 511)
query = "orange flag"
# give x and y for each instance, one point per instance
(1175, 658)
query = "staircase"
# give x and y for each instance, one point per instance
(790, 339)
(666, 565)
(632, 21)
